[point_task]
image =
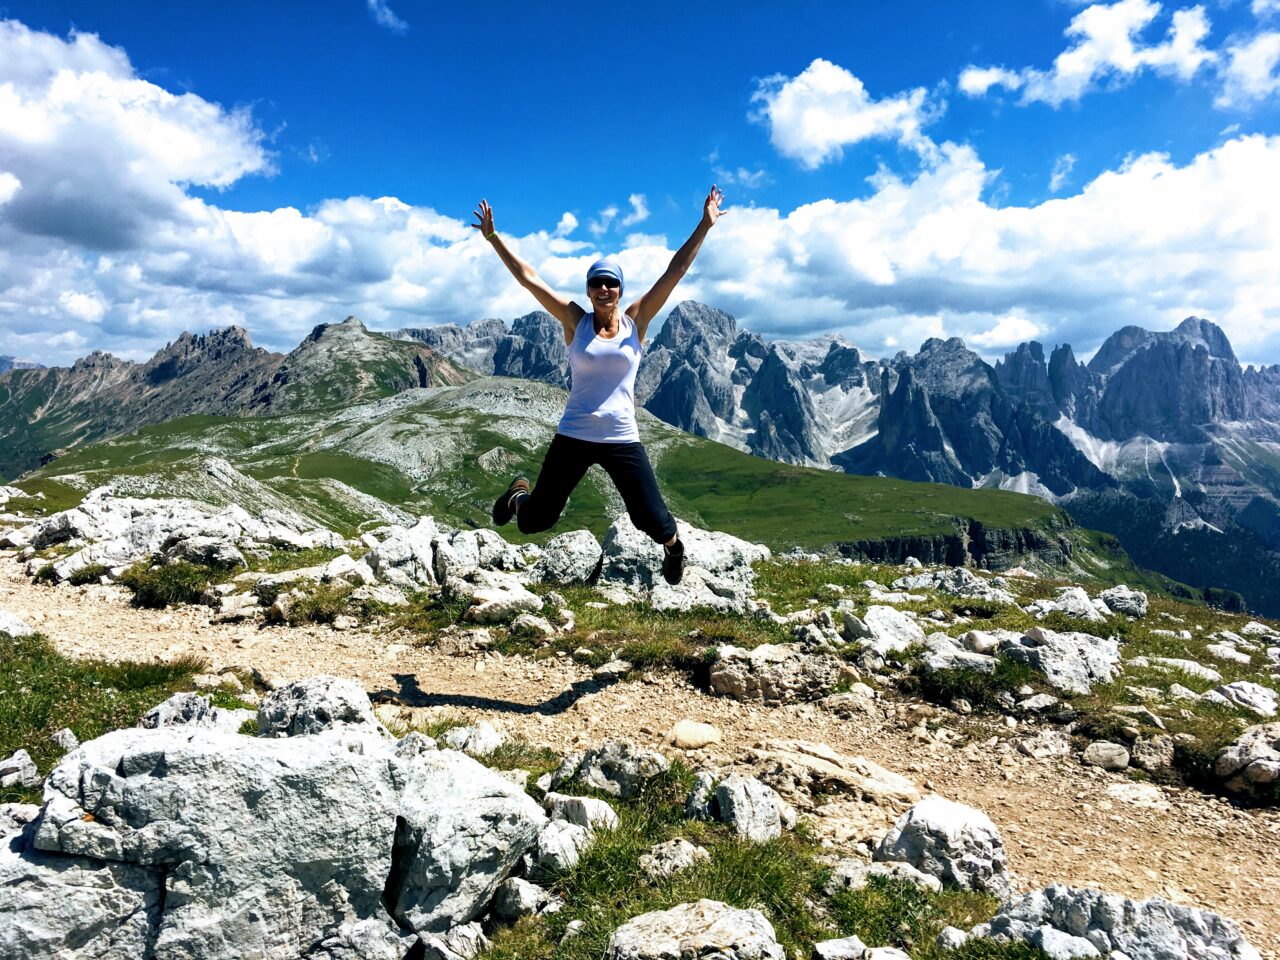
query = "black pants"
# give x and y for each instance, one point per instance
(563, 468)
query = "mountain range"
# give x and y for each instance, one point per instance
(13, 363)
(1163, 439)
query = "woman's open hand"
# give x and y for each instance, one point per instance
(485, 216)
(711, 208)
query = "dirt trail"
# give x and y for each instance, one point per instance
(1061, 822)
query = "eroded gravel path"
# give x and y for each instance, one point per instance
(1061, 822)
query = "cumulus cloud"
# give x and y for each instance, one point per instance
(813, 116)
(1061, 172)
(386, 17)
(568, 223)
(103, 156)
(918, 256)
(601, 223)
(1008, 331)
(1264, 8)
(9, 185)
(639, 211)
(1106, 47)
(1252, 70)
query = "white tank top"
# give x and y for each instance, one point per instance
(602, 401)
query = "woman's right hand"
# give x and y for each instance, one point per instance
(485, 216)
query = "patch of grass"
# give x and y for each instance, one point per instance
(279, 561)
(90, 574)
(982, 690)
(167, 584)
(427, 614)
(42, 691)
(323, 603)
(45, 574)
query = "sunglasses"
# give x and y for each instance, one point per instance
(610, 282)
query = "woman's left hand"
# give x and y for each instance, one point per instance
(711, 211)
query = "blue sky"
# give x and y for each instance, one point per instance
(279, 165)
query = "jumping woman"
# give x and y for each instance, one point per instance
(599, 421)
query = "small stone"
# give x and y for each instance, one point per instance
(1107, 755)
(846, 948)
(693, 735)
(19, 770)
(673, 856)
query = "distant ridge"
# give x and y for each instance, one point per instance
(44, 411)
(13, 363)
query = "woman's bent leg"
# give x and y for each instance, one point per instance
(563, 467)
(628, 466)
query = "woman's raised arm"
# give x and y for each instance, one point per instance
(647, 307)
(564, 310)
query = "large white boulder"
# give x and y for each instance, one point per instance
(775, 673)
(405, 556)
(314, 705)
(14, 626)
(1122, 600)
(1246, 695)
(572, 557)
(1071, 662)
(1250, 766)
(269, 846)
(724, 562)
(706, 928)
(1068, 923)
(950, 841)
(883, 630)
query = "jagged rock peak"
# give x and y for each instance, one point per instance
(99, 360)
(351, 325)
(214, 341)
(690, 320)
(1197, 330)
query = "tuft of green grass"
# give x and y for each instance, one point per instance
(90, 574)
(323, 603)
(45, 574)
(982, 690)
(168, 584)
(42, 691)
(280, 561)
(427, 614)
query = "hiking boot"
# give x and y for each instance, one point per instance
(504, 508)
(673, 562)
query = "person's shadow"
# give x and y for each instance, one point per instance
(411, 694)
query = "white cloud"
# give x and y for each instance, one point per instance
(1252, 71)
(1008, 331)
(813, 116)
(601, 224)
(1264, 8)
(1061, 172)
(639, 211)
(568, 223)
(9, 185)
(386, 17)
(1106, 47)
(82, 306)
(920, 256)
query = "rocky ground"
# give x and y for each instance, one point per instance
(1062, 821)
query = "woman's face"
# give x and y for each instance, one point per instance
(604, 292)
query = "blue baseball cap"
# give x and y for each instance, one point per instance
(606, 268)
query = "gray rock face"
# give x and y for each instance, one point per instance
(1120, 599)
(365, 940)
(884, 630)
(463, 942)
(405, 557)
(1071, 662)
(182, 709)
(586, 812)
(748, 807)
(706, 928)
(314, 705)
(1253, 697)
(560, 846)
(19, 770)
(572, 557)
(618, 768)
(476, 740)
(958, 582)
(518, 898)
(671, 857)
(950, 841)
(291, 838)
(1250, 766)
(51, 904)
(1066, 923)
(775, 673)
(853, 874)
